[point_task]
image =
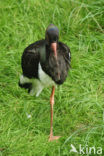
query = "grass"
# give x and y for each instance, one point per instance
(79, 103)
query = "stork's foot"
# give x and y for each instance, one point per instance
(52, 138)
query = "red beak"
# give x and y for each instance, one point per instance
(54, 48)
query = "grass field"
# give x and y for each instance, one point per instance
(79, 102)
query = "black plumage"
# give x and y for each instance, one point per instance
(50, 65)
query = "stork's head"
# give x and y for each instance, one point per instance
(51, 37)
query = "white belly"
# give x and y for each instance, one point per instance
(38, 85)
(44, 78)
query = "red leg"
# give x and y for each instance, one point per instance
(51, 137)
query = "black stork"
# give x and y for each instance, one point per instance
(45, 62)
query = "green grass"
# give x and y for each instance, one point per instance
(79, 102)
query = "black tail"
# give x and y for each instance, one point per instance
(26, 86)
